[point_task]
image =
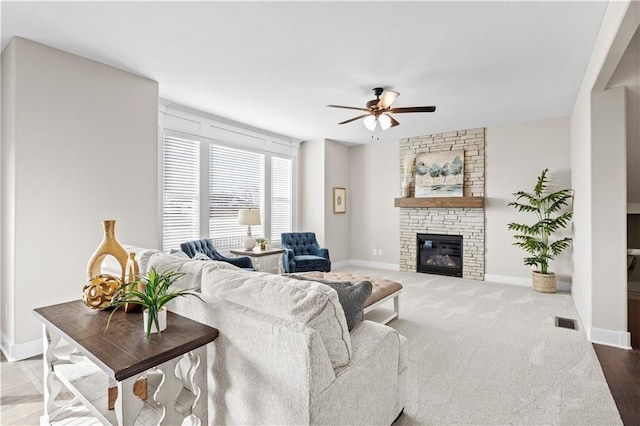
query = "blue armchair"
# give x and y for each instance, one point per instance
(302, 253)
(206, 246)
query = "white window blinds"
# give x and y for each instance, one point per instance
(280, 197)
(180, 190)
(236, 181)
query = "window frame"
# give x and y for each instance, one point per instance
(205, 143)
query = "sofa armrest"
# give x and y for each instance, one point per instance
(288, 261)
(241, 262)
(323, 252)
(375, 363)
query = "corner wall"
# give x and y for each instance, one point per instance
(336, 232)
(324, 164)
(84, 149)
(375, 222)
(516, 154)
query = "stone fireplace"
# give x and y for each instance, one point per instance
(453, 216)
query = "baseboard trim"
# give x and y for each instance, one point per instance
(522, 281)
(341, 264)
(617, 339)
(16, 352)
(367, 264)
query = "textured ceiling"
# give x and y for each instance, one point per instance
(275, 65)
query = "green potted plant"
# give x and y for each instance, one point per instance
(535, 238)
(263, 243)
(153, 296)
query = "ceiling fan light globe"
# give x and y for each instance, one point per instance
(370, 122)
(385, 121)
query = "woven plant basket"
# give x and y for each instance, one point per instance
(544, 283)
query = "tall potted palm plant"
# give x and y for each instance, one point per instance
(535, 238)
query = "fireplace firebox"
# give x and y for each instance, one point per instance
(439, 254)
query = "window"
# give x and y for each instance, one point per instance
(236, 181)
(204, 184)
(180, 191)
(280, 197)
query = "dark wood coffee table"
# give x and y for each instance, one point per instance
(121, 354)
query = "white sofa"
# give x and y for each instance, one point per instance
(284, 354)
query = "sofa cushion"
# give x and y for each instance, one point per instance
(192, 269)
(352, 296)
(178, 253)
(312, 304)
(200, 256)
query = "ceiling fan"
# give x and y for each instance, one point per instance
(379, 110)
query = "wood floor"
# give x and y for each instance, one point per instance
(622, 370)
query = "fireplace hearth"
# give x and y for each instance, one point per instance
(439, 254)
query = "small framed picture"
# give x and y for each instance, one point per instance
(339, 200)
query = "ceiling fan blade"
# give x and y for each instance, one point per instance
(347, 107)
(355, 118)
(413, 109)
(388, 97)
(394, 122)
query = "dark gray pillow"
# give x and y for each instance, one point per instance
(351, 295)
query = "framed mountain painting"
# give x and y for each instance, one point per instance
(440, 174)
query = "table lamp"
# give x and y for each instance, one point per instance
(249, 217)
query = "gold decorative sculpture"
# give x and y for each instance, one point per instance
(98, 293)
(132, 273)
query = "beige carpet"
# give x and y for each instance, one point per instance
(487, 353)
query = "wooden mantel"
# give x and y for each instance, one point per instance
(440, 202)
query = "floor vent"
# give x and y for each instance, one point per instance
(571, 324)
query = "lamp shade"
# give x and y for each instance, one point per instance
(248, 217)
(385, 121)
(370, 122)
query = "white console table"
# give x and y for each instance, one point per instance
(258, 256)
(174, 364)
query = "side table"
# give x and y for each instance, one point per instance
(257, 256)
(177, 358)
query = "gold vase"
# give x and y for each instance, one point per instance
(132, 273)
(110, 246)
(98, 292)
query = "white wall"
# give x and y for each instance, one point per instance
(84, 149)
(627, 74)
(515, 156)
(337, 171)
(311, 193)
(602, 317)
(324, 164)
(7, 193)
(375, 222)
(608, 211)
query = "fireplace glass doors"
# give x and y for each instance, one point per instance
(439, 254)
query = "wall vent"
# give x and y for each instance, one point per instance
(571, 324)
